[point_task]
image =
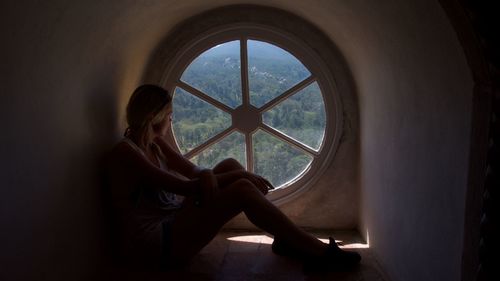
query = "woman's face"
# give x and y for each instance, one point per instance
(164, 125)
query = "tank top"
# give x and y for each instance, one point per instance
(142, 219)
(155, 198)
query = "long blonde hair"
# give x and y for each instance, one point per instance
(146, 108)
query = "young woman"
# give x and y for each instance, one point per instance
(146, 174)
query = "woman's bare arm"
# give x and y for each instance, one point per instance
(188, 169)
(176, 161)
(137, 167)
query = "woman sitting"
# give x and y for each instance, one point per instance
(147, 174)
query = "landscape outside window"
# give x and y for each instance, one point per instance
(293, 123)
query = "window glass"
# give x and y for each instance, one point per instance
(231, 146)
(217, 73)
(271, 71)
(195, 121)
(301, 116)
(277, 160)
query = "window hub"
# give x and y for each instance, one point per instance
(246, 118)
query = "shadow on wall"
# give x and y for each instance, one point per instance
(102, 115)
(90, 207)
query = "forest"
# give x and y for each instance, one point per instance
(271, 71)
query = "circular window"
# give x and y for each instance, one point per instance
(274, 125)
(257, 94)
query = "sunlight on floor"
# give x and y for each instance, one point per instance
(264, 239)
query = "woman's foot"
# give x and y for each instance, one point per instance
(334, 259)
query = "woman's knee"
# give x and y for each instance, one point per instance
(227, 165)
(244, 188)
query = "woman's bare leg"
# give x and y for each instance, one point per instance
(196, 226)
(303, 243)
(227, 165)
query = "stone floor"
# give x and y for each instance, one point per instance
(234, 256)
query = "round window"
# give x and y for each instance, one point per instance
(256, 95)
(273, 127)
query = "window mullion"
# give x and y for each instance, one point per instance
(204, 97)
(246, 99)
(289, 140)
(249, 151)
(298, 87)
(244, 71)
(209, 142)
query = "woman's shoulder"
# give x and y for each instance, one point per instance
(121, 145)
(123, 148)
(126, 143)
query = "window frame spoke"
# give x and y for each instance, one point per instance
(249, 151)
(205, 97)
(290, 140)
(245, 90)
(209, 142)
(288, 93)
(216, 142)
(282, 98)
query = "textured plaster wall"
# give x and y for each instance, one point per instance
(415, 105)
(415, 93)
(67, 70)
(64, 64)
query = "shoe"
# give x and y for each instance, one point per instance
(334, 259)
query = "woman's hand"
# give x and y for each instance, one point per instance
(261, 183)
(208, 187)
